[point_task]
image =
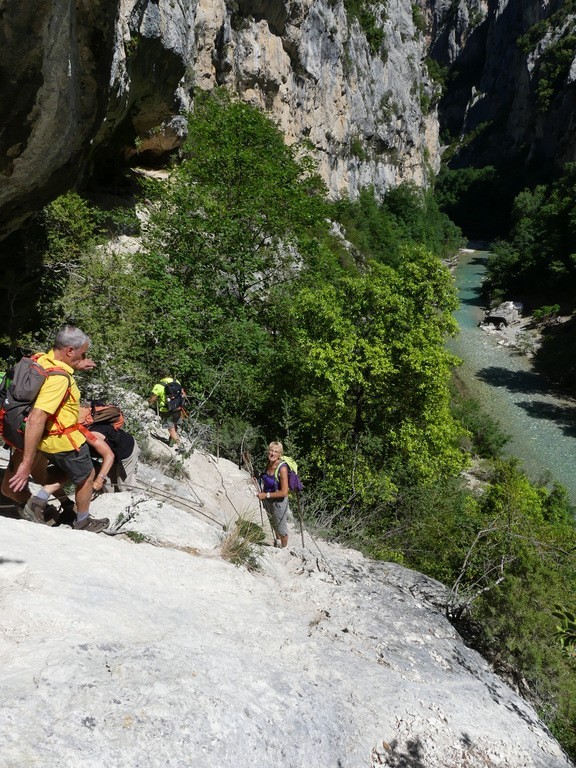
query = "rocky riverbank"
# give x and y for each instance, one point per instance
(521, 337)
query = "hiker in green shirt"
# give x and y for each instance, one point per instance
(168, 397)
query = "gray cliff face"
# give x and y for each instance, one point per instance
(54, 67)
(105, 80)
(88, 86)
(311, 67)
(515, 97)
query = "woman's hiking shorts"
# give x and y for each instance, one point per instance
(277, 510)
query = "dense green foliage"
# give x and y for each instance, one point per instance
(245, 284)
(323, 325)
(437, 71)
(418, 18)
(356, 342)
(405, 216)
(539, 255)
(221, 236)
(566, 630)
(536, 264)
(553, 70)
(511, 554)
(556, 21)
(485, 435)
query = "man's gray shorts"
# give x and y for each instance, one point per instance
(76, 464)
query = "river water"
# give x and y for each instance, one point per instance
(542, 427)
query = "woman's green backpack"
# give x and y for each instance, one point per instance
(294, 482)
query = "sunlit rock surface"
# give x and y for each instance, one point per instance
(125, 654)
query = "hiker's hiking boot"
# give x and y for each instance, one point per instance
(51, 514)
(33, 510)
(93, 524)
(67, 514)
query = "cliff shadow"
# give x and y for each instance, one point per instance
(523, 382)
(8, 507)
(395, 755)
(563, 415)
(473, 294)
(533, 385)
(557, 355)
(411, 753)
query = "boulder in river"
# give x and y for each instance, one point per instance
(505, 314)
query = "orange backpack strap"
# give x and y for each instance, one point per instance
(90, 436)
(69, 431)
(56, 427)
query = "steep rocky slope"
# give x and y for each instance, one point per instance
(124, 654)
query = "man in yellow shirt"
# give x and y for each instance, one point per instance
(52, 428)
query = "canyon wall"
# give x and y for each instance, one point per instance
(510, 97)
(88, 86)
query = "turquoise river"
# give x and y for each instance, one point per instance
(542, 426)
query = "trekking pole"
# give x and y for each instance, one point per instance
(247, 460)
(300, 518)
(258, 489)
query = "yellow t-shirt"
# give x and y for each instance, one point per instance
(49, 398)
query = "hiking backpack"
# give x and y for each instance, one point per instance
(174, 395)
(19, 390)
(103, 413)
(294, 482)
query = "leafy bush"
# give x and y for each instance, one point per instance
(437, 72)
(405, 215)
(486, 434)
(538, 255)
(566, 630)
(528, 41)
(546, 314)
(553, 70)
(418, 18)
(369, 23)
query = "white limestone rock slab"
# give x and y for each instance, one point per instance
(129, 655)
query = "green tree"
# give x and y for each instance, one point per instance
(372, 375)
(539, 255)
(405, 215)
(566, 630)
(38, 263)
(223, 233)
